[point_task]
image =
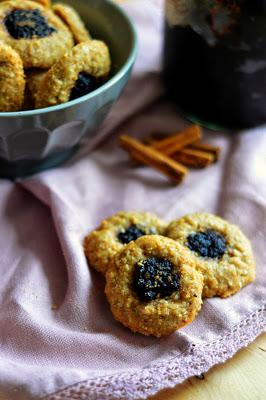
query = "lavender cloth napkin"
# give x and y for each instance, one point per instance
(58, 339)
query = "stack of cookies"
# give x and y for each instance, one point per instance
(47, 55)
(157, 274)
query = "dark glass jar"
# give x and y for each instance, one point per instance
(215, 61)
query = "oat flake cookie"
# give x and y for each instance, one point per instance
(115, 232)
(153, 287)
(35, 32)
(72, 19)
(45, 3)
(75, 74)
(221, 251)
(12, 82)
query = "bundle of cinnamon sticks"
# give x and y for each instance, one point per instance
(171, 155)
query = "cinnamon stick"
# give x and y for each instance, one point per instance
(149, 156)
(208, 148)
(172, 144)
(194, 158)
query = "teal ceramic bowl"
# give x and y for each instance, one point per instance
(31, 141)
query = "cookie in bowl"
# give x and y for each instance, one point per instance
(79, 72)
(45, 3)
(35, 32)
(153, 287)
(222, 253)
(72, 19)
(12, 81)
(115, 232)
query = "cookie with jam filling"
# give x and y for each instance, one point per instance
(114, 233)
(78, 72)
(35, 32)
(153, 286)
(221, 251)
(45, 3)
(12, 81)
(72, 19)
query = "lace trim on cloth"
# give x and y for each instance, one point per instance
(150, 380)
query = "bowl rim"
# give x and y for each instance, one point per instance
(119, 74)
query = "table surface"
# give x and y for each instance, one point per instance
(243, 377)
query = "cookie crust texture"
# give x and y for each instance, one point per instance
(37, 52)
(90, 57)
(161, 316)
(12, 81)
(222, 277)
(102, 244)
(73, 21)
(45, 3)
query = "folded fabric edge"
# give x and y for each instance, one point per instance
(196, 360)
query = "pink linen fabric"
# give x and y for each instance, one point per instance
(58, 339)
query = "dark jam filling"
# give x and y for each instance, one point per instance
(26, 24)
(154, 278)
(209, 244)
(131, 233)
(84, 84)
